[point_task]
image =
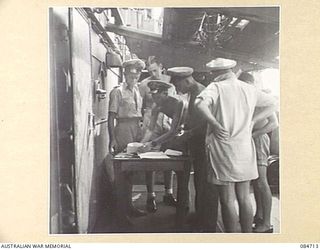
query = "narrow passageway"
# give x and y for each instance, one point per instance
(136, 75)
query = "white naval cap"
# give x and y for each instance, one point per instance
(221, 64)
(134, 65)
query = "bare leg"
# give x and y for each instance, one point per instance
(266, 198)
(257, 197)
(168, 197)
(228, 210)
(168, 179)
(245, 207)
(151, 202)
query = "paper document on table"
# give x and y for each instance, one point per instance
(173, 152)
(153, 155)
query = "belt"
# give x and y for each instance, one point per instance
(129, 119)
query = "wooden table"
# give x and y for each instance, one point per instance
(181, 165)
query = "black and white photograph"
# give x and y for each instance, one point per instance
(164, 120)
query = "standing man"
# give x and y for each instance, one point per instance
(262, 192)
(228, 106)
(163, 123)
(175, 108)
(123, 122)
(195, 133)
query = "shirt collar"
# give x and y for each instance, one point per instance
(225, 76)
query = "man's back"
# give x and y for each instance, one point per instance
(234, 104)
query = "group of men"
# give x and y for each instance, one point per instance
(215, 125)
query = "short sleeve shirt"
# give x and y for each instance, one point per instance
(125, 102)
(232, 103)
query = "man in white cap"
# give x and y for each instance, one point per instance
(195, 133)
(228, 106)
(125, 111)
(155, 70)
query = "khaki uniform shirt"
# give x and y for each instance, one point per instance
(126, 103)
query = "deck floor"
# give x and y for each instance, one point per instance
(162, 221)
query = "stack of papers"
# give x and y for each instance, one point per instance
(153, 155)
(125, 155)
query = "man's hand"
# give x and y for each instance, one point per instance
(203, 108)
(220, 132)
(145, 148)
(112, 146)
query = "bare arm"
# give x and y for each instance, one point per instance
(203, 108)
(264, 113)
(113, 110)
(166, 123)
(154, 116)
(174, 125)
(147, 136)
(268, 105)
(144, 99)
(111, 120)
(268, 127)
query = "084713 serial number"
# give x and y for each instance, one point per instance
(307, 245)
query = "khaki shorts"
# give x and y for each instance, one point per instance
(127, 131)
(262, 144)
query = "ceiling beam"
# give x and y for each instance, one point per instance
(197, 52)
(145, 36)
(256, 14)
(133, 33)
